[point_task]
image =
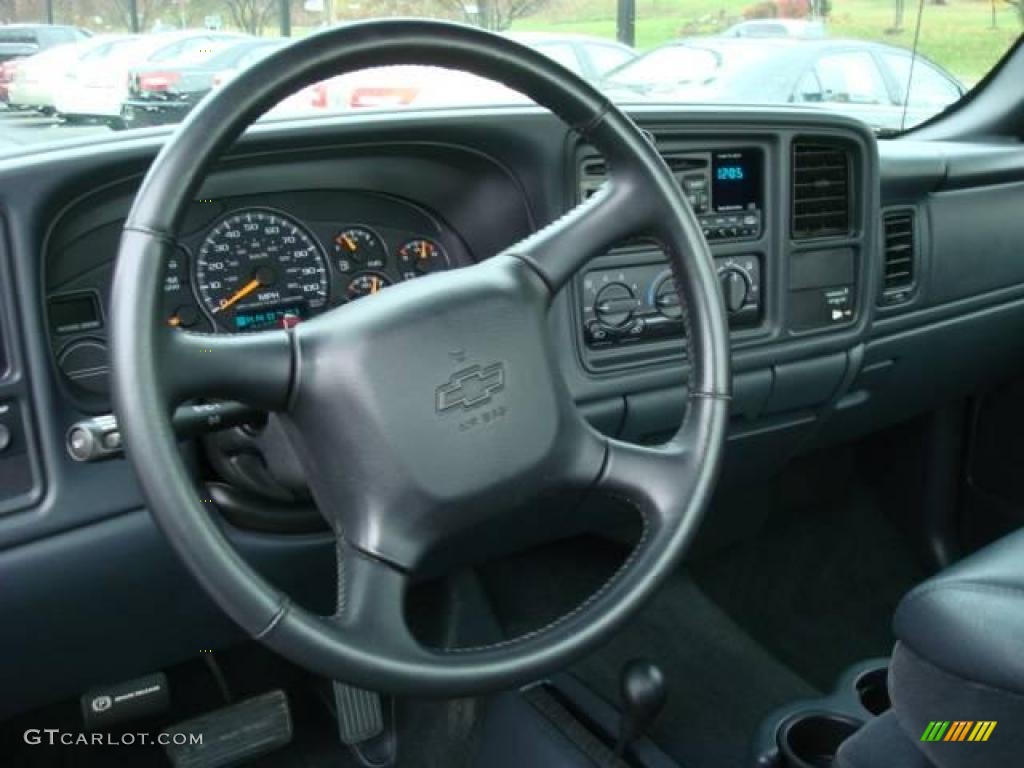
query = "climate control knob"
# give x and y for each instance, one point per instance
(614, 304)
(666, 298)
(735, 288)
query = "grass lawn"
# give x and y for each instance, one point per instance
(958, 35)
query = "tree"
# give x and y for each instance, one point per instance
(496, 15)
(897, 18)
(1019, 5)
(135, 14)
(252, 15)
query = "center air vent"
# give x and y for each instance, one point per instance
(821, 190)
(593, 173)
(899, 253)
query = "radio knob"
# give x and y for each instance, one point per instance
(735, 288)
(614, 305)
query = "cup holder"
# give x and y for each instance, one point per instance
(812, 740)
(873, 691)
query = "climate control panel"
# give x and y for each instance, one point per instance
(637, 303)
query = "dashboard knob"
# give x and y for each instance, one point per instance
(666, 299)
(614, 304)
(735, 288)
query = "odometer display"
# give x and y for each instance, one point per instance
(257, 265)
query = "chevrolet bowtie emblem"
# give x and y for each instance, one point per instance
(471, 387)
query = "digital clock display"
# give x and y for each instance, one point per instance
(736, 180)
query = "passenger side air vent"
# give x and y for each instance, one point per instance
(899, 255)
(821, 190)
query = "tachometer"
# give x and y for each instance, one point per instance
(260, 269)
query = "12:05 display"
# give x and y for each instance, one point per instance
(730, 173)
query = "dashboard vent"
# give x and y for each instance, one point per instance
(821, 190)
(898, 255)
(593, 173)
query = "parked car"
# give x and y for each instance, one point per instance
(98, 88)
(18, 41)
(801, 28)
(38, 79)
(163, 93)
(589, 57)
(863, 79)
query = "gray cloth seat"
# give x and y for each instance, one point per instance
(959, 658)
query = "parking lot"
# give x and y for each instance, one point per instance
(23, 129)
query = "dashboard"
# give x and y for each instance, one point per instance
(856, 290)
(245, 264)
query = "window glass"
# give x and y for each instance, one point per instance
(929, 88)
(605, 58)
(808, 90)
(851, 77)
(563, 54)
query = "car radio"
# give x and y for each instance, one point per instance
(724, 187)
(629, 304)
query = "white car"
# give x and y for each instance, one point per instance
(401, 86)
(96, 88)
(38, 79)
(806, 29)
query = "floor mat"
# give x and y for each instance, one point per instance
(817, 589)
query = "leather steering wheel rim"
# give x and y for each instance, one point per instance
(493, 311)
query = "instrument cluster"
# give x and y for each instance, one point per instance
(259, 267)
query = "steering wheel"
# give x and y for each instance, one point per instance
(450, 381)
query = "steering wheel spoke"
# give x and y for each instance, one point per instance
(621, 209)
(254, 368)
(371, 602)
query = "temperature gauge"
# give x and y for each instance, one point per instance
(421, 257)
(358, 248)
(366, 284)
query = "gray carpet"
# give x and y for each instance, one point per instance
(722, 682)
(818, 588)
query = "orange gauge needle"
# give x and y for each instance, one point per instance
(423, 249)
(374, 285)
(238, 295)
(350, 243)
(174, 321)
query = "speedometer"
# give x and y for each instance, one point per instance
(260, 269)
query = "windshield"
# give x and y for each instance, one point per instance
(133, 64)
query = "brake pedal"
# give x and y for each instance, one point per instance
(231, 735)
(359, 712)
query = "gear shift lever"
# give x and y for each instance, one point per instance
(643, 690)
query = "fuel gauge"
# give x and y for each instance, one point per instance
(421, 257)
(358, 248)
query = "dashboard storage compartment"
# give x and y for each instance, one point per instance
(812, 740)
